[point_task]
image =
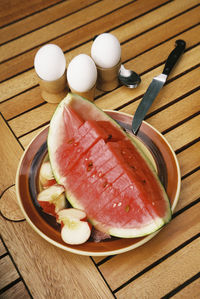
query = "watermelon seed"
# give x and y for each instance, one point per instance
(119, 204)
(90, 164)
(114, 205)
(105, 184)
(109, 136)
(127, 208)
(143, 181)
(70, 141)
(100, 174)
(131, 187)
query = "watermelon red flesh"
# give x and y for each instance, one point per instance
(85, 136)
(103, 188)
(126, 199)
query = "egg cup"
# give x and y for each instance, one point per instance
(89, 94)
(54, 91)
(107, 78)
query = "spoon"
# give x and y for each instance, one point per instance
(128, 78)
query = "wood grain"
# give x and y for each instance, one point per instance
(2, 248)
(161, 279)
(189, 190)
(186, 163)
(17, 291)
(58, 28)
(117, 271)
(8, 272)
(10, 154)
(176, 113)
(10, 10)
(193, 288)
(63, 274)
(9, 207)
(41, 19)
(83, 34)
(184, 134)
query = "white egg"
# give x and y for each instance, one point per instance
(81, 73)
(106, 50)
(50, 62)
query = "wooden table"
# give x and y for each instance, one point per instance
(168, 265)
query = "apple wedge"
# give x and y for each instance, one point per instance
(72, 214)
(52, 199)
(46, 176)
(75, 229)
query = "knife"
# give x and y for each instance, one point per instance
(156, 84)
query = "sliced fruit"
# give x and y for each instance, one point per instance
(74, 226)
(75, 232)
(104, 172)
(52, 199)
(46, 176)
(72, 214)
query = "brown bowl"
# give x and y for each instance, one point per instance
(27, 183)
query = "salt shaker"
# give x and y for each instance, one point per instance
(106, 53)
(82, 76)
(50, 67)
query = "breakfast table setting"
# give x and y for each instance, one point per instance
(115, 86)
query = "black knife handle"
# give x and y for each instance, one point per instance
(174, 56)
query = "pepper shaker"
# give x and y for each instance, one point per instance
(50, 67)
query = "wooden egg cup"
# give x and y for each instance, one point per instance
(89, 95)
(107, 78)
(54, 91)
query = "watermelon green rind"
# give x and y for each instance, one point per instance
(88, 110)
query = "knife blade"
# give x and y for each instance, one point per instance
(156, 85)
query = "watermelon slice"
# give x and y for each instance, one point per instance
(104, 172)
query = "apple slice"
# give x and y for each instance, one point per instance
(46, 176)
(52, 199)
(71, 213)
(75, 229)
(75, 232)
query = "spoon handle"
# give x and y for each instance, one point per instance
(174, 56)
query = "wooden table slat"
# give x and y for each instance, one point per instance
(2, 249)
(82, 35)
(59, 271)
(185, 262)
(41, 19)
(191, 289)
(10, 154)
(17, 291)
(60, 27)
(12, 11)
(187, 132)
(117, 271)
(8, 272)
(186, 163)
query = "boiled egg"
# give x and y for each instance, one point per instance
(81, 73)
(106, 50)
(50, 62)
